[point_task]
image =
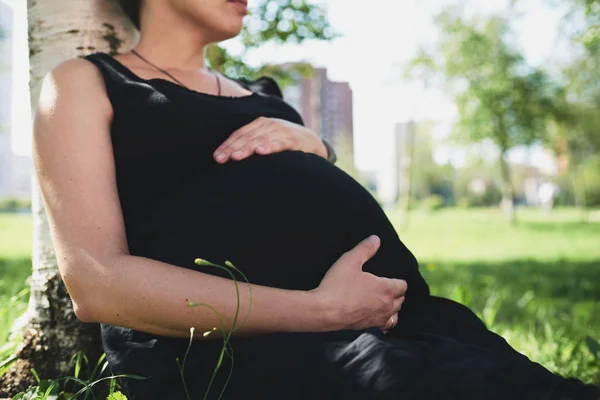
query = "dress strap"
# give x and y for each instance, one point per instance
(114, 78)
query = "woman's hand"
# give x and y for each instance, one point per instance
(266, 136)
(357, 299)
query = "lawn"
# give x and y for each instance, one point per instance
(537, 283)
(484, 235)
(15, 268)
(15, 236)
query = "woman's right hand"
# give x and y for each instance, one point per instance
(357, 299)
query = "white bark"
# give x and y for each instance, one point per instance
(59, 30)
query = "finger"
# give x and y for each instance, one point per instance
(234, 146)
(259, 138)
(223, 152)
(248, 148)
(395, 318)
(276, 146)
(366, 249)
(390, 323)
(248, 137)
(401, 287)
(396, 287)
(397, 304)
(243, 130)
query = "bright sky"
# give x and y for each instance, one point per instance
(376, 36)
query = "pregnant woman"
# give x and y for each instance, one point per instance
(148, 160)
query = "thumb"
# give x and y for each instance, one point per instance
(366, 249)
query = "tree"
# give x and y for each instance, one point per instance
(51, 332)
(498, 96)
(576, 139)
(284, 21)
(591, 36)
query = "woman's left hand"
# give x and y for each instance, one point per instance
(266, 136)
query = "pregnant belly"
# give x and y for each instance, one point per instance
(282, 219)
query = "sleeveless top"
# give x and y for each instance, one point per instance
(283, 219)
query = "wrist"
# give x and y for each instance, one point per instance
(331, 156)
(327, 317)
(322, 149)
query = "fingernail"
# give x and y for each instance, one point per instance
(373, 239)
(260, 149)
(237, 153)
(220, 156)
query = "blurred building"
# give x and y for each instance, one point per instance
(326, 108)
(15, 170)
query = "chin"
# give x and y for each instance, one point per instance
(228, 32)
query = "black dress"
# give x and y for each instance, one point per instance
(283, 219)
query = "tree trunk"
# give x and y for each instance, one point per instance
(579, 191)
(58, 30)
(407, 172)
(508, 193)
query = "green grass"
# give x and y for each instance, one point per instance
(537, 283)
(15, 268)
(483, 234)
(15, 236)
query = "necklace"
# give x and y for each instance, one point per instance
(175, 79)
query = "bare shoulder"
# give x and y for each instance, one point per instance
(75, 84)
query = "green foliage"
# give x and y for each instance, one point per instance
(427, 177)
(116, 396)
(433, 202)
(576, 139)
(472, 200)
(498, 96)
(490, 198)
(88, 387)
(581, 132)
(453, 184)
(13, 307)
(581, 185)
(591, 36)
(226, 348)
(33, 393)
(590, 172)
(283, 21)
(14, 295)
(12, 204)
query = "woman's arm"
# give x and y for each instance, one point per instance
(73, 158)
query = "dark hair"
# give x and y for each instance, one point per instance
(132, 9)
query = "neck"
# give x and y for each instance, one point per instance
(173, 44)
(179, 59)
